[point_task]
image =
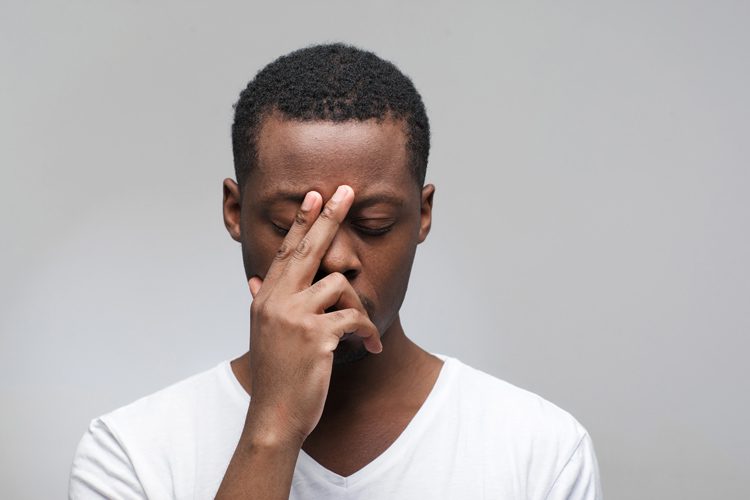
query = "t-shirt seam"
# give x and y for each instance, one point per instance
(235, 387)
(120, 442)
(567, 462)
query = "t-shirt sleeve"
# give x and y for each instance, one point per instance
(579, 478)
(101, 467)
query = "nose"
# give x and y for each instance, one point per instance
(341, 257)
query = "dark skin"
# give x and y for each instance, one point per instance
(329, 221)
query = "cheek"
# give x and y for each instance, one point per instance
(258, 252)
(388, 271)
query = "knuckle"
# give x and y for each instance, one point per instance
(283, 252)
(320, 286)
(357, 318)
(327, 213)
(327, 347)
(300, 218)
(308, 326)
(303, 248)
(338, 316)
(316, 287)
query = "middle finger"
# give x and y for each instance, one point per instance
(306, 257)
(306, 214)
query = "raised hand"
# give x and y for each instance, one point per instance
(292, 337)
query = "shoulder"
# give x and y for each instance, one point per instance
(188, 398)
(137, 445)
(524, 431)
(164, 419)
(506, 404)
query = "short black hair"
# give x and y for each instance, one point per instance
(334, 82)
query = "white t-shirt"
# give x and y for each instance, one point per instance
(475, 437)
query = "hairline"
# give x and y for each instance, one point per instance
(274, 111)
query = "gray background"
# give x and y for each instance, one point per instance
(591, 224)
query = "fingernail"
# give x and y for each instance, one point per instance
(339, 194)
(307, 203)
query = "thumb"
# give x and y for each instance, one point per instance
(254, 283)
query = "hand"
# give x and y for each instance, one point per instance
(293, 338)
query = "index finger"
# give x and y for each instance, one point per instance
(303, 220)
(305, 261)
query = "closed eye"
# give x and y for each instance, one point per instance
(363, 227)
(279, 229)
(372, 229)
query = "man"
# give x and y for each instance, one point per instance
(333, 400)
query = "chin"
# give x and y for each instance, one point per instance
(349, 350)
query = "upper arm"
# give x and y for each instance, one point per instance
(579, 477)
(101, 467)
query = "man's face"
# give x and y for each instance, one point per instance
(374, 247)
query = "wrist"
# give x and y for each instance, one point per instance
(269, 432)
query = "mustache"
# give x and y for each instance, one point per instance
(367, 304)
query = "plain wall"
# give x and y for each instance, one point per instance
(590, 239)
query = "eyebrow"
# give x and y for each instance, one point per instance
(359, 202)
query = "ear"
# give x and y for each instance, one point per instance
(426, 212)
(231, 205)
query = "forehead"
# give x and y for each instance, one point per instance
(297, 156)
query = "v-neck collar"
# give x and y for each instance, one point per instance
(309, 468)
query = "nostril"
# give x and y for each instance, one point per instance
(350, 274)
